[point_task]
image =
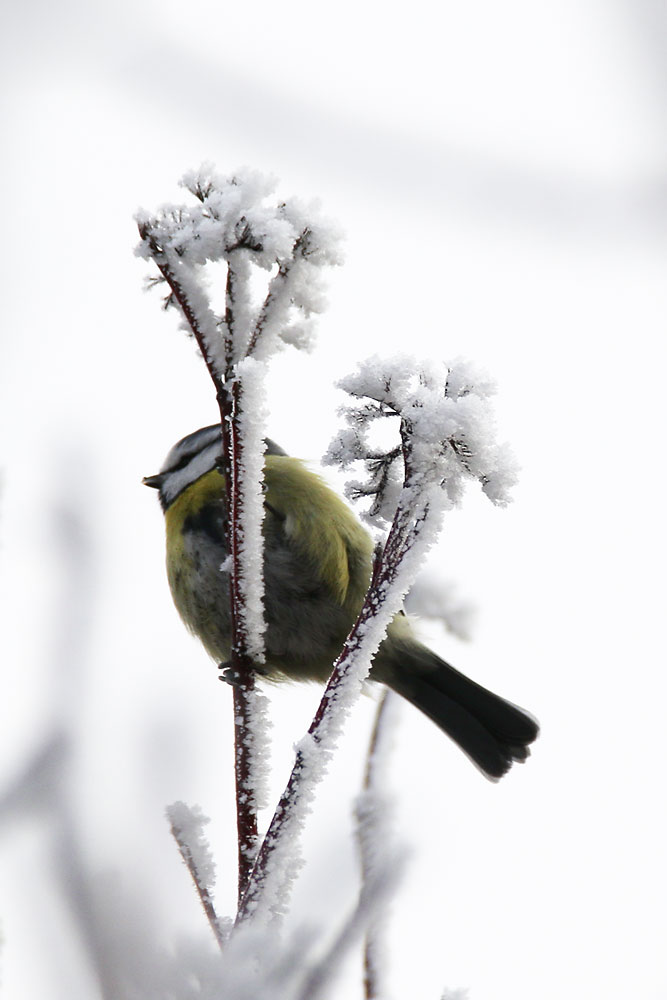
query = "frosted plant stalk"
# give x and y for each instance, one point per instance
(238, 221)
(187, 826)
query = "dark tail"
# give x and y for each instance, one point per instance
(493, 732)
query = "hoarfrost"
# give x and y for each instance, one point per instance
(258, 725)
(252, 422)
(447, 434)
(238, 219)
(188, 823)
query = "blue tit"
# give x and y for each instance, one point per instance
(317, 568)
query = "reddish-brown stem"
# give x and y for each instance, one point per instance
(278, 280)
(241, 664)
(256, 334)
(246, 813)
(228, 393)
(370, 972)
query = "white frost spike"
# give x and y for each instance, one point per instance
(258, 725)
(252, 420)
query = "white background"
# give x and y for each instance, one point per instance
(500, 172)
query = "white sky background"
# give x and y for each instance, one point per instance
(500, 173)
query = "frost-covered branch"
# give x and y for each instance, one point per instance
(445, 432)
(186, 827)
(447, 438)
(250, 765)
(236, 221)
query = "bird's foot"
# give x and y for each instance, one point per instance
(231, 676)
(228, 674)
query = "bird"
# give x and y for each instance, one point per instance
(318, 559)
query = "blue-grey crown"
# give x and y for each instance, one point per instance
(192, 457)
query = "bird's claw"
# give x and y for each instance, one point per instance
(229, 675)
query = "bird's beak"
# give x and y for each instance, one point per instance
(155, 482)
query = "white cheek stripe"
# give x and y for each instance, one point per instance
(200, 464)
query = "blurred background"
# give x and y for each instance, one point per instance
(500, 173)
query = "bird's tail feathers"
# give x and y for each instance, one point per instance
(491, 731)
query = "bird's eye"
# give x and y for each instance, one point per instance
(276, 513)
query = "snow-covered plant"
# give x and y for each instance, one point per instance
(443, 438)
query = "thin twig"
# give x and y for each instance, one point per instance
(275, 287)
(180, 296)
(202, 890)
(371, 957)
(320, 976)
(372, 897)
